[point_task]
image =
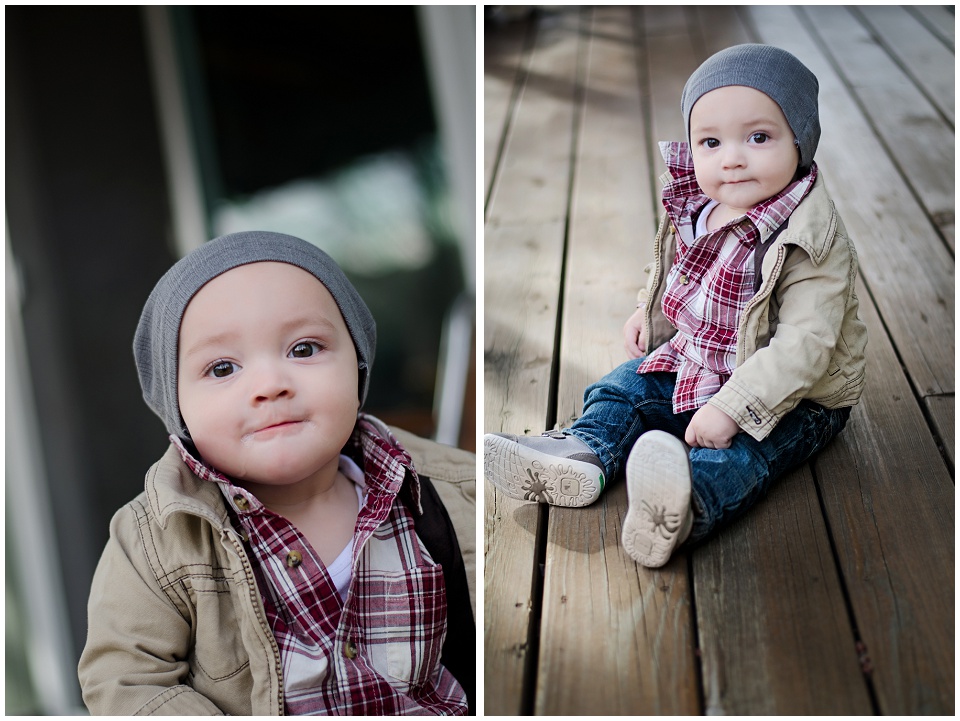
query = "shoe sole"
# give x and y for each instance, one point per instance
(529, 475)
(658, 496)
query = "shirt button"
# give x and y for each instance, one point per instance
(242, 503)
(350, 650)
(684, 280)
(294, 559)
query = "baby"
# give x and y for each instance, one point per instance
(288, 555)
(747, 351)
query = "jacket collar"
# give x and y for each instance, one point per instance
(172, 488)
(813, 224)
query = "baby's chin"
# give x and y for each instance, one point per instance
(279, 472)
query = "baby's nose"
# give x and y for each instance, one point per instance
(270, 383)
(733, 157)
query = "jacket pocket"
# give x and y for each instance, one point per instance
(218, 651)
(406, 624)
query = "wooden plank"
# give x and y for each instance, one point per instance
(916, 136)
(938, 20)
(901, 256)
(503, 63)
(523, 255)
(890, 506)
(774, 633)
(942, 410)
(612, 219)
(509, 532)
(720, 27)
(593, 592)
(671, 57)
(926, 59)
(620, 639)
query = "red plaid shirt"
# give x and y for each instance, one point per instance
(378, 651)
(710, 281)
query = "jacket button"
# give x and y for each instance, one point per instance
(673, 229)
(294, 559)
(242, 503)
(350, 650)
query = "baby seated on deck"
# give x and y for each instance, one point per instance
(746, 348)
(284, 557)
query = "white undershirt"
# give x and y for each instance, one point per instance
(701, 228)
(341, 569)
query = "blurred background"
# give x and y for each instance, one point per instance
(134, 134)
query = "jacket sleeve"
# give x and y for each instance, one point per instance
(138, 641)
(812, 297)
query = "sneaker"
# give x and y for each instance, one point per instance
(659, 517)
(554, 468)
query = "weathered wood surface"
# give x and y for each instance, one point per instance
(523, 256)
(647, 616)
(835, 594)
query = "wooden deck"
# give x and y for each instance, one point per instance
(834, 595)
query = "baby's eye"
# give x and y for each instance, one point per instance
(710, 143)
(304, 349)
(759, 138)
(221, 369)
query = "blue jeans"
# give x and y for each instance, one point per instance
(623, 405)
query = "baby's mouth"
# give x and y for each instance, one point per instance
(275, 428)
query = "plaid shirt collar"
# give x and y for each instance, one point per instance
(683, 199)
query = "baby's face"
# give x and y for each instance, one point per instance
(742, 145)
(268, 377)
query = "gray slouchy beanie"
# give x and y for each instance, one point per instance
(156, 342)
(772, 71)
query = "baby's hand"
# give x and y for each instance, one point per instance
(635, 334)
(711, 428)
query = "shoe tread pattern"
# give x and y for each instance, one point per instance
(658, 495)
(528, 475)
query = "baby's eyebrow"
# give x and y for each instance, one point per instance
(203, 344)
(308, 320)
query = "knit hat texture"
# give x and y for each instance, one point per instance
(772, 71)
(156, 342)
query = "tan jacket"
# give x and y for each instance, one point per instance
(176, 624)
(800, 336)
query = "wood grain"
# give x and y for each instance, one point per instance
(889, 502)
(917, 137)
(617, 638)
(504, 61)
(773, 629)
(930, 63)
(524, 236)
(600, 610)
(942, 410)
